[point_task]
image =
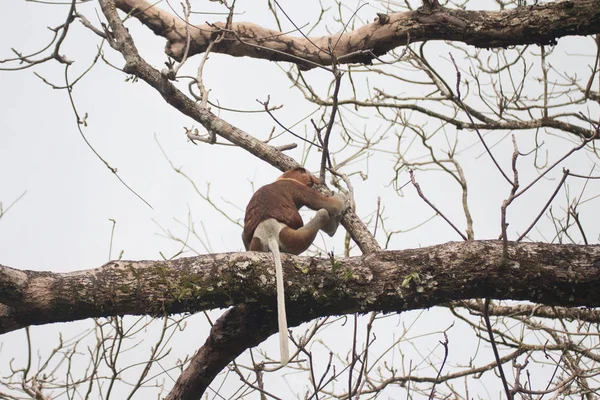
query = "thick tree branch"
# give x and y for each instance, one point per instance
(387, 281)
(535, 24)
(563, 275)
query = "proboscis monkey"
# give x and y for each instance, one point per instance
(273, 223)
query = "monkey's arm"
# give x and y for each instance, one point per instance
(311, 198)
(335, 206)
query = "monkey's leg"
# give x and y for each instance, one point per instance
(257, 245)
(295, 241)
(335, 216)
(332, 224)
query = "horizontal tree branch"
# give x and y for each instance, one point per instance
(552, 274)
(525, 310)
(487, 124)
(534, 24)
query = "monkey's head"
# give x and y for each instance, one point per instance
(301, 175)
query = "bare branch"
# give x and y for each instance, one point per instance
(536, 24)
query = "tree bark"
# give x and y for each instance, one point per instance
(555, 275)
(535, 24)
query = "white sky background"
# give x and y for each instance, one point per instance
(62, 223)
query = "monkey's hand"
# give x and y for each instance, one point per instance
(334, 219)
(344, 200)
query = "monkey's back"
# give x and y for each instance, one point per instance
(274, 200)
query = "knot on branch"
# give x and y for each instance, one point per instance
(429, 7)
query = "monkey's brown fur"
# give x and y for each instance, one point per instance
(281, 201)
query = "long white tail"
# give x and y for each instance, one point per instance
(281, 317)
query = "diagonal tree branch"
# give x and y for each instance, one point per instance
(134, 64)
(240, 328)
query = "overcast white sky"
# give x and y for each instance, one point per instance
(62, 222)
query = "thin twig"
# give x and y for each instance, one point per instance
(377, 215)
(85, 139)
(564, 177)
(445, 344)
(4, 211)
(112, 236)
(421, 195)
(508, 201)
(572, 211)
(325, 159)
(458, 98)
(265, 104)
(187, 9)
(354, 358)
(573, 150)
(488, 324)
